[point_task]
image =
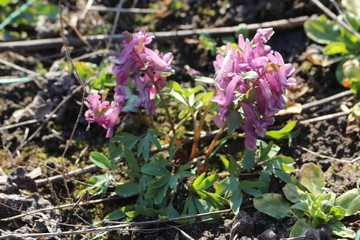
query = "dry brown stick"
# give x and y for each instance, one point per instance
(325, 117)
(125, 10)
(327, 99)
(57, 42)
(117, 16)
(71, 205)
(111, 228)
(87, 7)
(57, 178)
(330, 158)
(18, 124)
(13, 65)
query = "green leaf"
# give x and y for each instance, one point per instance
(249, 160)
(350, 201)
(234, 168)
(336, 48)
(154, 169)
(301, 206)
(321, 30)
(99, 183)
(129, 156)
(202, 183)
(231, 166)
(282, 133)
(203, 206)
(252, 191)
(337, 213)
(195, 185)
(357, 235)
(154, 141)
(272, 204)
(233, 121)
(184, 173)
(248, 184)
(189, 209)
(5, 2)
(299, 228)
(340, 230)
(312, 178)
(127, 189)
(171, 212)
(144, 148)
(293, 193)
(207, 97)
(214, 199)
(206, 183)
(173, 148)
(268, 151)
(236, 201)
(265, 179)
(101, 161)
(115, 215)
(286, 177)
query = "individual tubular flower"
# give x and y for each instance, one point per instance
(254, 125)
(104, 113)
(251, 67)
(150, 68)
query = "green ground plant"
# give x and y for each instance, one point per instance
(342, 47)
(312, 204)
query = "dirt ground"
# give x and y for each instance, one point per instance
(332, 144)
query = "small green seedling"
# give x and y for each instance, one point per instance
(342, 46)
(312, 204)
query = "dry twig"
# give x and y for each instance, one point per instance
(327, 99)
(325, 117)
(123, 10)
(111, 228)
(331, 158)
(57, 42)
(71, 205)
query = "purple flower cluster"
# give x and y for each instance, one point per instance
(149, 68)
(104, 113)
(251, 67)
(147, 65)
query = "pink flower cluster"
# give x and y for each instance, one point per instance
(251, 66)
(104, 113)
(147, 65)
(149, 68)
